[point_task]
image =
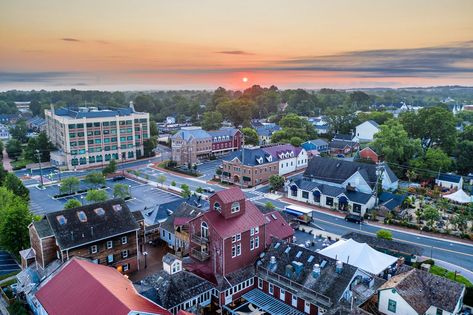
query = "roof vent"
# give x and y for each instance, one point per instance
(289, 270)
(272, 264)
(339, 267)
(99, 211)
(316, 271)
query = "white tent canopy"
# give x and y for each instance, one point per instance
(459, 196)
(360, 255)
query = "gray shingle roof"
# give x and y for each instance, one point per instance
(184, 210)
(383, 244)
(333, 191)
(116, 219)
(340, 144)
(43, 228)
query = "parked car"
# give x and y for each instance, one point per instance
(209, 190)
(342, 156)
(117, 178)
(354, 218)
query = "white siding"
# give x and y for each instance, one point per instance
(402, 307)
(365, 131)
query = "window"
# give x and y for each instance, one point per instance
(61, 219)
(110, 258)
(217, 206)
(307, 307)
(392, 306)
(439, 311)
(256, 241)
(125, 253)
(238, 249)
(233, 251)
(356, 208)
(236, 238)
(294, 300)
(124, 240)
(282, 294)
(271, 289)
(235, 207)
(109, 244)
(252, 243)
(82, 216)
(305, 194)
(260, 283)
(99, 211)
(329, 201)
(93, 249)
(125, 267)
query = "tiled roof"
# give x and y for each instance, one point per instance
(82, 287)
(277, 227)
(228, 227)
(421, 290)
(171, 290)
(116, 219)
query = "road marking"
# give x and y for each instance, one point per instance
(397, 239)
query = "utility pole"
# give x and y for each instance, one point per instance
(38, 155)
(242, 158)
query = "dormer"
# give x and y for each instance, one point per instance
(229, 203)
(259, 160)
(171, 264)
(269, 158)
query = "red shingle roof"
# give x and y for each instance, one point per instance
(230, 195)
(252, 217)
(82, 287)
(277, 227)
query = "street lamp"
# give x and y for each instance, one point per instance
(129, 191)
(82, 199)
(145, 254)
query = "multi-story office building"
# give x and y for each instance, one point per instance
(87, 136)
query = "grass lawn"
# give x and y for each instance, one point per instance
(21, 163)
(439, 271)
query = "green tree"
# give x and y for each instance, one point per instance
(110, 168)
(463, 153)
(384, 234)
(161, 179)
(95, 179)
(72, 203)
(430, 214)
(153, 128)
(95, 195)
(434, 160)
(251, 137)
(295, 141)
(186, 192)
(199, 190)
(149, 145)
(3, 174)
(15, 185)
(13, 148)
(19, 131)
(40, 143)
(1, 148)
(293, 126)
(393, 142)
(212, 120)
(69, 185)
(14, 220)
(460, 220)
(276, 182)
(269, 205)
(173, 183)
(121, 191)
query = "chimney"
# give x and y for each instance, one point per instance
(400, 261)
(316, 271)
(339, 267)
(132, 106)
(272, 263)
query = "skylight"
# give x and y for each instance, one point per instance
(99, 211)
(323, 263)
(299, 253)
(311, 258)
(274, 216)
(61, 219)
(82, 216)
(117, 207)
(288, 249)
(277, 245)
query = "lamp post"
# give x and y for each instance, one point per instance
(145, 254)
(38, 155)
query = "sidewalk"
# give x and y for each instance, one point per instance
(381, 225)
(7, 161)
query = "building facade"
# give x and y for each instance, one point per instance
(106, 233)
(365, 131)
(192, 144)
(90, 137)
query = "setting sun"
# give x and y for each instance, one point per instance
(245, 79)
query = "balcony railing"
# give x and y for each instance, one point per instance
(200, 240)
(302, 291)
(202, 256)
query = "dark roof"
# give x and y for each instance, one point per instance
(43, 228)
(234, 278)
(453, 178)
(252, 156)
(421, 290)
(161, 212)
(340, 144)
(329, 284)
(339, 136)
(338, 171)
(169, 258)
(138, 216)
(390, 200)
(333, 191)
(76, 113)
(390, 173)
(74, 233)
(171, 290)
(275, 150)
(381, 244)
(184, 210)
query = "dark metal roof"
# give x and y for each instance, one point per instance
(390, 200)
(340, 144)
(76, 113)
(116, 219)
(184, 210)
(347, 137)
(43, 228)
(333, 191)
(381, 244)
(453, 178)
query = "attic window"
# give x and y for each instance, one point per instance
(288, 249)
(217, 206)
(61, 219)
(235, 207)
(299, 253)
(311, 258)
(99, 211)
(82, 216)
(117, 207)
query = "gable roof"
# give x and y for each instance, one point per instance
(338, 171)
(277, 227)
(228, 227)
(381, 243)
(188, 134)
(452, 178)
(421, 289)
(115, 220)
(372, 122)
(230, 195)
(343, 137)
(333, 191)
(275, 150)
(183, 214)
(340, 144)
(82, 287)
(171, 290)
(252, 156)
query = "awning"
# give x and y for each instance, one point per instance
(459, 196)
(264, 302)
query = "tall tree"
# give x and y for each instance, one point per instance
(13, 148)
(464, 153)
(121, 191)
(95, 195)
(212, 120)
(149, 145)
(69, 185)
(433, 161)
(72, 203)
(251, 137)
(110, 168)
(19, 131)
(15, 185)
(153, 129)
(95, 179)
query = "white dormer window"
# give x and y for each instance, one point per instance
(291, 154)
(235, 207)
(176, 267)
(217, 207)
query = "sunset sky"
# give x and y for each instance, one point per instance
(205, 44)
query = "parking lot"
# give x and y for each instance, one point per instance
(207, 169)
(7, 263)
(146, 196)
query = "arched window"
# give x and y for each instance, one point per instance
(217, 206)
(235, 207)
(204, 229)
